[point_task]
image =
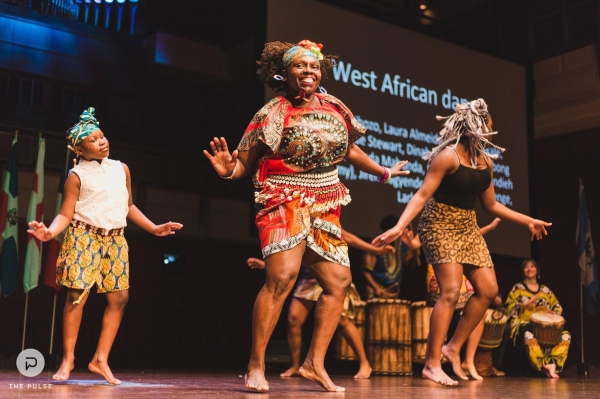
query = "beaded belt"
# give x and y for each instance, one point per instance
(306, 179)
(97, 230)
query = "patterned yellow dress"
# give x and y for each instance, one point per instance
(520, 328)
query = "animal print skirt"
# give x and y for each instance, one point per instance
(451, 235)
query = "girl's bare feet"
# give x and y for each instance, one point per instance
(292, 371)
(454, 359)
(550, 370)
(364, 371)
(101, 367)
(255, 380)
(438, 376)
(64, 371)
(470, 369)
(319, 376)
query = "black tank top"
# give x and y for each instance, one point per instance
(463, 187)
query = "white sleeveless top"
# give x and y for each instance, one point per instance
(103, 196)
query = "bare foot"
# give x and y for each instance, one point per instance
(101, 367)
(470, 369)
(454, 359)
(64, 371)
(292, 371)
(550, 370)
(438, 376)
(364, 371)
(255, 380)
(320, 377)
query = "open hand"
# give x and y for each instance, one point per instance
(39, 231)
(255, 263)
(387, 238)
(538, 229)
(396, 170)
(167, 229)
(222, 161)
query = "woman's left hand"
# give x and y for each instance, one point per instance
(538, 229)
(167, 229)
(396, 170)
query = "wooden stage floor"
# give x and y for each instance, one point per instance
(167, 385)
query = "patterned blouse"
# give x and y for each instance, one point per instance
(519, 295)
(300, 139)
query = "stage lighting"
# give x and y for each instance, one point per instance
(121, 1)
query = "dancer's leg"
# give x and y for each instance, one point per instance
(352, 335)
(470, 349)
(281, 271)
(484, 284)
(71, 322)
(449, 277)
(335, 280)
(113, 314)
(297, 314)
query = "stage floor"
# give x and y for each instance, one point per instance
(167, 385)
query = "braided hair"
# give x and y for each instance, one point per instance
(270, 64)
(469, 122)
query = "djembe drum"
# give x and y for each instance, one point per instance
(547, 328)
(495, 322)
(343, 350)
(389, 336)
(421, 315)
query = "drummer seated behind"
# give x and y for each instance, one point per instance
(383, 273)
(525, 299)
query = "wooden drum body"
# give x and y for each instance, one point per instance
(547, 328)
(493, 331)
(389, 336)
(421, 315)
(343, 350)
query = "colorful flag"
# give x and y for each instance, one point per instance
(9, 213)
(55, 243)
(587, 259)
(33, 256)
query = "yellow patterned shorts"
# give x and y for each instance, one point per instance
(87, 258)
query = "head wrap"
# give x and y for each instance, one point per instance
(469, 120)
(87, 125)
(305, 47)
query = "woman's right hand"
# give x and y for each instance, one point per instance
(222, 161)
(388, 237)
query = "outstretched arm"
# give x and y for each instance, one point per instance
(138, 217)
(358, 243)
(359, 159)
(443, 163)
(65, 215)
(488, 201)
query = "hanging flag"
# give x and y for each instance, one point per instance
(55, 243)
(587, 259)
(9, 260)
(33, 256)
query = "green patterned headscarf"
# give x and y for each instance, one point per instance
(87, 125)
